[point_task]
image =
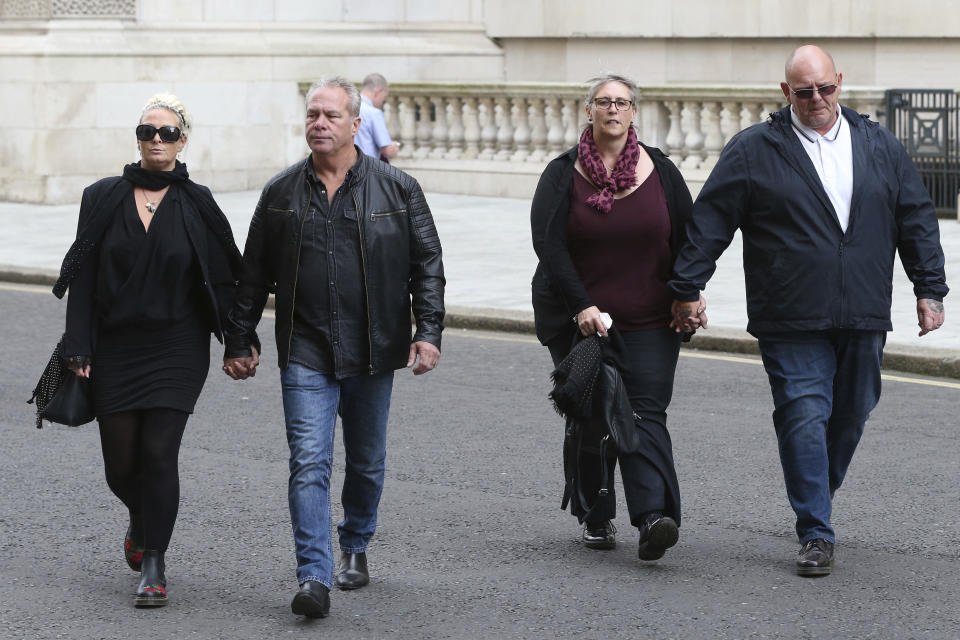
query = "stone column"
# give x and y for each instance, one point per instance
(729, 120)
(571, 130)
(713, 140)
(521, 130)
(440, 132)
(538, 130)
(693, 141)
(455, 129)
(424, 128)
(749, 114)
(488, 129)
(504, 128)
(471, 128)
(554, 114)
(407, 114)
(673, 144)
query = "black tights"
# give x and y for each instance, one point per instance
(140, 451)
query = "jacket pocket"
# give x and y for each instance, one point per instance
(386, 214)
(275, 211)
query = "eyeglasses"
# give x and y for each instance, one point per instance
(168, 133)
(604, 103)
(807, 94)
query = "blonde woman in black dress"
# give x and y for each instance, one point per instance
(151, 276)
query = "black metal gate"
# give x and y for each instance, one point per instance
(927, 122)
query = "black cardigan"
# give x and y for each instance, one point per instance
(558, 292)
(219, 275)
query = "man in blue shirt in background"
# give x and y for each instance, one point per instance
(373, 137)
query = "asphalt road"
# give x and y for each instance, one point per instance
(471, 541)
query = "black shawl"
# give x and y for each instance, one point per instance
(106, 207)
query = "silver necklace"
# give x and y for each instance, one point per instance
(151, 206)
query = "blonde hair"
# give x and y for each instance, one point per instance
(172, 104)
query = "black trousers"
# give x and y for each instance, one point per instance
(651, 362)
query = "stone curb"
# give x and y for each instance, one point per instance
(941, 363)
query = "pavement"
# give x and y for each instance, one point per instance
(489, 262)
(471, 542)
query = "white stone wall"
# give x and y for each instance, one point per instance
(887, 43)
(73, 89)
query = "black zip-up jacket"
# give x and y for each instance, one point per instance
(802, 271)
(558, 292)
(401, 260)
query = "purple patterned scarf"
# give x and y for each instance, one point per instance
(624, 172)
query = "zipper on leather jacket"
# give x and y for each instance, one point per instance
(363, 268)
(296, 272)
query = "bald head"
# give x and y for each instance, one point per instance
(812, 87)
(806, 57)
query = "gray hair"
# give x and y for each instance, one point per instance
(599, 81)
(373, 82)
(338, 81)
(172, 104)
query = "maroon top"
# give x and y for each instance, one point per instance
(623, 257)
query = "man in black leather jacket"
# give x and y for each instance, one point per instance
(346, 242)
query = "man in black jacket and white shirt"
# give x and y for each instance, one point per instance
(349, 246)
(824, 199)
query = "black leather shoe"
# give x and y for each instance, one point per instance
(312, 600)
(599, 535)
(353, 572)
(816, 558)
(657, 534)
(152, 591)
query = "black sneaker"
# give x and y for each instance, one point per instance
(657, 534)
(599, 535)
(815, 558)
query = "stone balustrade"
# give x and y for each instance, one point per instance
(502, 135)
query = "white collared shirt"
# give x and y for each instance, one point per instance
(832, 156)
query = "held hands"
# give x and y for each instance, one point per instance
(930, 315)
(242, 368)
(428, 355)
(688, 316)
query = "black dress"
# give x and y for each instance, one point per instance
(153, 337)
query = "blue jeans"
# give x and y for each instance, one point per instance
(311, 402)
(824, 384)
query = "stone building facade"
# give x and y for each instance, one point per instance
(75, 73)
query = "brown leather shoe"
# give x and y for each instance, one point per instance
(816, 558)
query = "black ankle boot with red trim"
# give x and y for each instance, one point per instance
(152, 591)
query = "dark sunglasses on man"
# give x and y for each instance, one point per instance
(168, 133)
(807, 94)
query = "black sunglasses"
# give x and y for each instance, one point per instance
(807, 94)
(168, 133)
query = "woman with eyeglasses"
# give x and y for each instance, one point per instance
(607, 219)
(152, 273)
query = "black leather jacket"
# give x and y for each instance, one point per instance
(400, 254)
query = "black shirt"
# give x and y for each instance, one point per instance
(330, 305)
(147, 277)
